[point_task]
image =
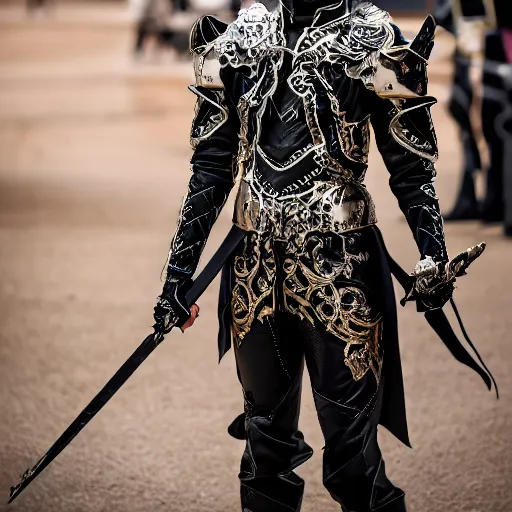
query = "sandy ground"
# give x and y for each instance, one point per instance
(93, 164)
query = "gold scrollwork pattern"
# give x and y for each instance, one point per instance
(318, 286)
(254, 288)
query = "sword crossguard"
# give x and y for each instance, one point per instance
(431, 278)
(456, 267)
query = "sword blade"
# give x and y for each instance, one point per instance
(94, 406)
(202, 282)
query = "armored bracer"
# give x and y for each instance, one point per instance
(215, 141)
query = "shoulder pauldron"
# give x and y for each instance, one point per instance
(202, 41)
(397, 70)
(256, 33)
(211, 110)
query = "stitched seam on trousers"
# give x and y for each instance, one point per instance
(374, 480)
(373, 490)
(252, 462)
(277, 349)
(386, 504)
(369, 401)
(276, 408)
(337, 403)
(348, 462)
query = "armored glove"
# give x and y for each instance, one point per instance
(171, 308)
(433, 283)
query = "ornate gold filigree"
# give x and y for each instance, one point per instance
(314, 291)
(326, 207)
(253, 292)
(315, 288)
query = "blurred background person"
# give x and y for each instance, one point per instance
(180, 5)
(482, 29)
(34, 6)
(168, 22)
(496, 108)
(504, 18)
(465, 20)
(493, 101)
(153, 22)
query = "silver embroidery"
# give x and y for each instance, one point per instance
(326, 207)
(406, 138)
(255, 34)
(203, 128)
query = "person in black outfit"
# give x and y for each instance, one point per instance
(448, 15)
(496, 117)
(180, 5)
(286, 96)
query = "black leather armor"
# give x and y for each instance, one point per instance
(286, 96)
(285, 110)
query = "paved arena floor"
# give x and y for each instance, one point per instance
(93, 165)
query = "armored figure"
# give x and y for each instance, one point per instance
(285, 98)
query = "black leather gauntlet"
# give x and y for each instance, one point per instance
(200, 210)
(209, 188)
(171, 308)
(409, 158)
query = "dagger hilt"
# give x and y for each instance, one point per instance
(454, 268)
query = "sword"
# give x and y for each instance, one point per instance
(428, 274)
(200, 284)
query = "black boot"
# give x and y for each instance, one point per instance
(273, 494)
(466, 206)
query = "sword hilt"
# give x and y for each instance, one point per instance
(456, 267)
(429, 274)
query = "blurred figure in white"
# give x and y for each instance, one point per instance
(152, 22)
(168, 22)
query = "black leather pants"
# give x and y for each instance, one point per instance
(466, 205)
(270, 364)
(493, 104)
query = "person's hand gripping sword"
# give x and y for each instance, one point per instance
(171, 308)
(433, 282)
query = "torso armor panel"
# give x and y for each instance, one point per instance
(304, 99)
